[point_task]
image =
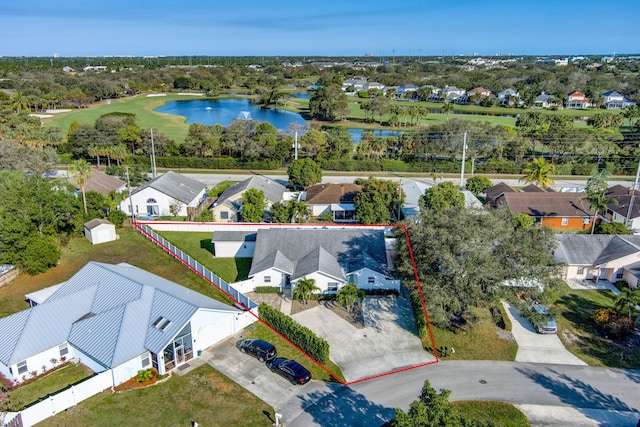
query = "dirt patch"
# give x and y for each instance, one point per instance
(355, 316)
(297, 306)
(504, 334)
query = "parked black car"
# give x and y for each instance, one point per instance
(291, 370)
(261, 350)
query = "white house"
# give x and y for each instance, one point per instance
(451, 93)
(168, 193)
(234, 244)
(545, 100)
(599, 257)
(333, 257)
(616, 101)
(99, 230)
(116, 317)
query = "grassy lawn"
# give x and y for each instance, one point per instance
(132, 248)
(198, 245)
(171, 125)
(260, 331)
(48, 384)
(499, 413)
(203, 395)
(577, 329)
(478, 343)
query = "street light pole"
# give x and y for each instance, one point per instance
(153, 156)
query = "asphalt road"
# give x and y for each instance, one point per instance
(598, 396)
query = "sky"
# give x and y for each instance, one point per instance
(318, 28)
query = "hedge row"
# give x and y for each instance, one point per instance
(301, 336)
(418, 313)
(178, 162)
(267, 289)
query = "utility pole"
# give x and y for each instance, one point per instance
(464, 156)
(295, 145)
(633, 196)
(153, 157)
(133, 216)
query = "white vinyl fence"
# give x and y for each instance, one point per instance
(61, 401)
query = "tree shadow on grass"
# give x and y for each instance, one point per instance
(342, 406)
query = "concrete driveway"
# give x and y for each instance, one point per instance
(387, 342)
(538, 348)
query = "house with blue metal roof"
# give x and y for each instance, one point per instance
(114, 317)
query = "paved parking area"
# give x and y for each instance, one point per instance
(387, 342)
(538, 348)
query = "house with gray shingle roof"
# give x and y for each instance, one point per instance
(116, 317)
(228, 206)
(333, 257)
(599, 257)
(621, 206)
(168, 191)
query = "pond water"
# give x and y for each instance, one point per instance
(225, 111)
(356, 134)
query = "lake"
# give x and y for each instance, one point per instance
(225, 111)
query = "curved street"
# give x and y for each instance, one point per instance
(558, 395)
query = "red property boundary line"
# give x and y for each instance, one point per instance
(415, 272)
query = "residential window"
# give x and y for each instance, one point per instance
(580, 270)
(146, 361)
(619, 274)
(64, 349)
(565, 220)
(22, 367)
(371, 279)
(332, 287)
(267, 279)
(224, 215)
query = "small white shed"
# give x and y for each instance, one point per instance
(100, 230)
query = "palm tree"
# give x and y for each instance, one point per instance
(447, 108)
(19, 102)
(304, 288)
(627, 300)
(539, 172)
(596, 190)
(81, 171)
(348, 294)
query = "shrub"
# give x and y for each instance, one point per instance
(144, 375)
(418, 314)
(604, 317)
(301, 336)
(621, 328)
(117, 217)
(267, 289)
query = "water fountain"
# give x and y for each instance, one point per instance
(244, 115)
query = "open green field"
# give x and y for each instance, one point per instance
(142, 106)
(204, 396)
(198, 245)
